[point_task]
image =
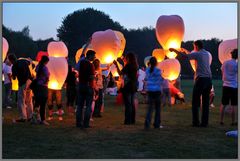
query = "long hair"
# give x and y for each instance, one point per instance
(131, 59)
(153, 63)
(96, 63)
(41, 64)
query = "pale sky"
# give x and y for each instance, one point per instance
(202, 20)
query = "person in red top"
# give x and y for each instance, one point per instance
(176, 93)
(85, 91)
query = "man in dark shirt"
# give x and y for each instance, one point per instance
(85, 92)
(21, 71)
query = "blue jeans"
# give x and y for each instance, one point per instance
(130, 111)
(85, 96)
(8, 91)
(154, 99)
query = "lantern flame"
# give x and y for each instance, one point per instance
(173, 44)
(53, 85)
(109, 58)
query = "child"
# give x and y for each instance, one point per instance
(95, 98)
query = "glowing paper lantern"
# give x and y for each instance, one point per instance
(159, 54)
(225, 48)
(146, 60)
(4, 48)
(15, 84)
(122, 42)
(170, 69)
(57, 65)
(107, 45)
(57, 49)
(40, 54)
(170, 32)
(79, 52)
(194, 63)
(58, 68)
(113, 69)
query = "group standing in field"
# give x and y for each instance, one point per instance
(85, 87)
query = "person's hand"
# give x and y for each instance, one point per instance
(173, 50)
(115, 62)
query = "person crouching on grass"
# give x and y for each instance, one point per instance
(153, 87)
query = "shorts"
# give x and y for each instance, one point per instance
(229, 94)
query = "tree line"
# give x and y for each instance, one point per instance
(78, 26)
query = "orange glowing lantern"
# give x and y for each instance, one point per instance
(170, 69)
(194, 63)
(57, 65)
(146, 60)
(106, 44)
(79, 52)
(170, 32)
(57, 49)
(4, 48)
(225, 48)
(58, 69)
(15, 84)
(122, 42)
(159, 54)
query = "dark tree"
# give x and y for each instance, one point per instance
(78, 26)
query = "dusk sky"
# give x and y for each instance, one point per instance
(202, 20)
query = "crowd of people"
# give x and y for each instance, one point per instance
(85, 85)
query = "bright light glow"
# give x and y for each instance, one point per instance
(53, 85)
(15, 84)
(172, 76)
(173, 44)
(115, 74)
(108, 58)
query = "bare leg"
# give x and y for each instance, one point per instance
(222, 109)
(233, 114)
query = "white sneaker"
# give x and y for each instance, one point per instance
(160, 127)
(8, 107)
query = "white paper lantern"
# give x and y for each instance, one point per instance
(4, 48)
(225, 48)
(170, 32)
(57, 49)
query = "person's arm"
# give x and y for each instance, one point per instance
(14, 71)
(118, 70)
(185, 53)
(106, 68)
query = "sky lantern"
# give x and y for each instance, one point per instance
(40, 54)
(107, 45)
(79, 52)
(225, 48)
(4, 48)
(122, 42)
(57, 65)
(194, 65)
(159, 54)
(57, 49)
(113, 69)
(146, 60)
(170, 32)
(170, 69)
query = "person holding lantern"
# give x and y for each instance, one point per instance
(202, 84)
(154, 89)
(41, 93)
(85, 91)
(230, 86)
(129, 74)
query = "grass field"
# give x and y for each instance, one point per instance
(110, 139)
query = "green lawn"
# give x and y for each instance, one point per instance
(109, 138)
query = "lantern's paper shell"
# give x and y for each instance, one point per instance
(79, 52)
(15, 84)
(106, 45)
(4, 48)
(170, 69)
(170, 32)
(225, 48)
(159, 54)
(57, 49)
(58, 68)
(122, 42)
(194, 63)
(40, 54)
(146, 60)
